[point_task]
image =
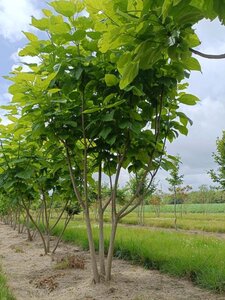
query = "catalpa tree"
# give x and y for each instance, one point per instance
(107, 91)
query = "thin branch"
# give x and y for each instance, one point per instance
(106, 204)
(209, 56)
(75, 187)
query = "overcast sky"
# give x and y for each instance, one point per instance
(208, 116)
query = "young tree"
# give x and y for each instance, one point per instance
(219, 158)
(182, 194)
(203, 195)
(146, 191)
(107, 92)
(175, 180)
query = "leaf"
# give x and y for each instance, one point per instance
(66, 8)
(29, 50)
(78, 73)
(109, 98)
(105, 132)
(12, 118)
(124, 124)
(79, 35)
(111, 140)
(109, 116)
(148, 54)
(47, 12)
(182, 129)
(71, 123)
(192, 64)
(115, 104)
(91, 110)
(188, 99)
(53, 91)
(167, 165)
(129, 73)
(165, 8)
(111, 80)
(30, 36)
(94, 35)
(27, 174)
(42, 24)
(184, 119)
(60, 28)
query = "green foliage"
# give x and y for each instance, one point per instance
(175, 180)
(219, 158)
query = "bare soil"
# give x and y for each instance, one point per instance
(31, 275)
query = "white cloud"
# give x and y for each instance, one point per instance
(196, 149)
(15, 16)
(18, 60)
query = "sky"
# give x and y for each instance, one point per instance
(208, 115)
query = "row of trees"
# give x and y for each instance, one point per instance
(106, 95)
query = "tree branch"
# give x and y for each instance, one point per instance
(209, 56)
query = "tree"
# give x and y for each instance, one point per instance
(175, 180)
(203, 195)
(182, 195)
(107, 93)
(146, 191)
(219, 158)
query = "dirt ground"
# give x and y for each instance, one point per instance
(33, 276)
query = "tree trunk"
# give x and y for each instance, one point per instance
(175, 209)
(29, 236)
(61, 234)
(111, 250)
(101, 243)
(96, 278)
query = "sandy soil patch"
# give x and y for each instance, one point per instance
(32, 276)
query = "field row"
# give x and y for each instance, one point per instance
(187, 208)
(211, 222)
(179, 254)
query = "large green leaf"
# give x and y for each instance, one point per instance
(129, 73)
(42, 24)
(111, 80)
(188, 99)
(105, 132)
(192, 64)
(66, 8)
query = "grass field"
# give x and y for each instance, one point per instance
(205, 217)
(5, 294)
(208, 223)
(190, 208)
(182, 255)
(208, 217)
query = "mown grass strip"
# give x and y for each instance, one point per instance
(5, 293)
(189, 208)
(199, 259)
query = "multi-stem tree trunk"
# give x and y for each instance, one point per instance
(111, 250)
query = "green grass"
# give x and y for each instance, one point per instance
(200, 259)
(209, 222)
(190, 208)
(5, 294)
(200, 222)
